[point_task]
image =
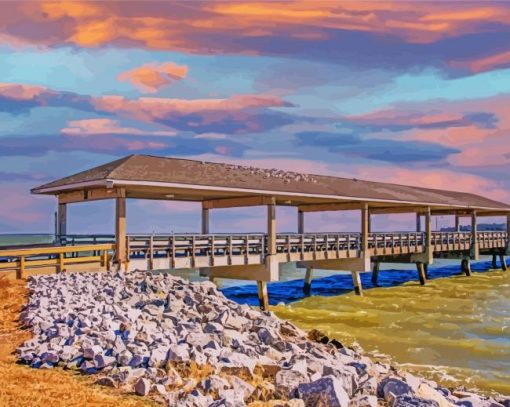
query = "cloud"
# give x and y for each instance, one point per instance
(394, 36)
(487, 63)
(388, 150)
(447, 179)
(235, 114)
(404, 119)
(149, 78)
(116, 144)
(88, 127)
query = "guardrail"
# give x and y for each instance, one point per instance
(56, 257)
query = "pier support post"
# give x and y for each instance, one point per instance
(474, 252)
(426, 270)
(263, 296)
(205, 221)
(503, 262)
(421, 273)
(270, 257)
(465, 266)
(507, 250)
(428, 237)
(375, 274)
(494, 262)
(301, 222)
(120, 231)
(308, 281)
(309, 270)
(365, 230)
(61, 219)
(358, 287)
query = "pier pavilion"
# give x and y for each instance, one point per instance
(258, 256)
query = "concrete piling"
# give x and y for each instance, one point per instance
(375, 273)
(503, 262)
(465, 266)
(421, 273)
(263, 296)
(358, 287)
(308, 281)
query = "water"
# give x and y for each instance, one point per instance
(454, 328)
(25, 239)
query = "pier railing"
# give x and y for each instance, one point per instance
(194, 250)
(56, 258)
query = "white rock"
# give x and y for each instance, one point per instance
(142, 387)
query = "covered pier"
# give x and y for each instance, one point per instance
(256, 256)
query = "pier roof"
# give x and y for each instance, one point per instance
(152, 177)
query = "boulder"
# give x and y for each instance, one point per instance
(392, 386)
(287, 381)
(327, 390)
(406, 400)
(364, 400)
(142, 387)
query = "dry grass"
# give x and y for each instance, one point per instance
(22, 386)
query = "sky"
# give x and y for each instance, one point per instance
(412, 92)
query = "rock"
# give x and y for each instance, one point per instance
(215, 383)
(213, 328)
(138, 328)
(240, 385)
(106, 381)
(179, 353)
(286, 381)
(364, 401)
(406, 400)
(393, 386)
(327, 390)
(101, 361)
(142, 387)
(233, 396)
(295, 403)
(92, 351)
(158, 356)
(427, 392)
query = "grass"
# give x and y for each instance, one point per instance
(23, 386)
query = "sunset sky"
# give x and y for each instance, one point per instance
(404, 92)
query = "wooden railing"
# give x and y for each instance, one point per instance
(57, 257)
(394, 240)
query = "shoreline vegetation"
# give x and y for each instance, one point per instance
(180, 343)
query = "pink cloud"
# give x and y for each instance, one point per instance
(437, 179)
(20, 92)
(234, 114)
(89, 127)
(149, 78)
(149, 108)
(495, 61)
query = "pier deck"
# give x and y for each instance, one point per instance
(259, 256)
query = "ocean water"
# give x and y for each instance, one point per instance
(25, 239)
(455, 329)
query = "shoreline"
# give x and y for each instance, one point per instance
(354, 377)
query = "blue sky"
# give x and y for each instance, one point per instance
(396, 92)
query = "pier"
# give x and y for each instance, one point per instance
(258, 256)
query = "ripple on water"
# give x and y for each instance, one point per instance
(455, 327)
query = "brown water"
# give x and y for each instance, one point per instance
(454, 328)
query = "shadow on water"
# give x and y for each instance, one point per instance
(338, 284)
